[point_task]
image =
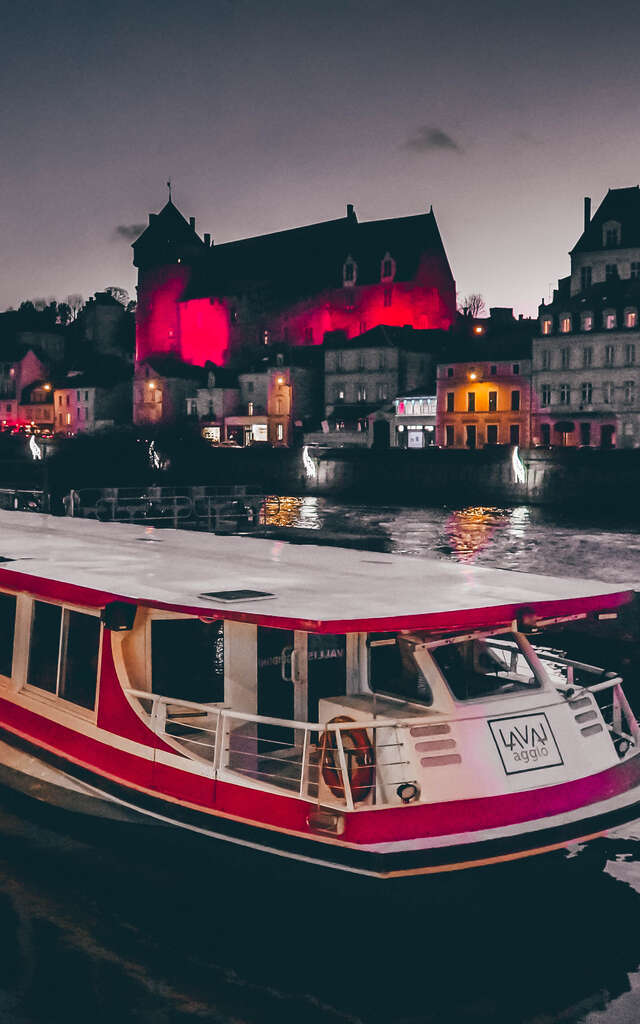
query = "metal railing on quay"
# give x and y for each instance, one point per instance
(22, 499)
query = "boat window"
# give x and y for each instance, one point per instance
(79, 659)
(8, 620)
(63, 653)
(484, 667)
(393, 669)
(187, 659)
(45, 641)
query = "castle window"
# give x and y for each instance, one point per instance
(349, 272)
(610, 234)
(585, 278)
(388, 296)
(586, 321)
(387, 267)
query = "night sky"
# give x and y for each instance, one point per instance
(268, 114)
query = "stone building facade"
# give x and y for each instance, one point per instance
(586, 356)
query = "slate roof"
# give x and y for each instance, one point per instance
(385, 336)
(621, 204)
(170, 367)
(290, 264)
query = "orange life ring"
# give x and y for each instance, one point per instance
(359, 757)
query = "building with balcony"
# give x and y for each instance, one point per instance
(484, 402)
(586, 355)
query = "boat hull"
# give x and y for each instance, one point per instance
(49, 778)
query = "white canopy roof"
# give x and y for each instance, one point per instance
(313, 588)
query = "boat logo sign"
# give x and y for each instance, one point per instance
(525, 743)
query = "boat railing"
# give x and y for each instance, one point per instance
(352, 764)
(342, 764)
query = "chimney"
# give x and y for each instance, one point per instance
(207, 239)
(192, 223)
(587, 212)
(351, 213)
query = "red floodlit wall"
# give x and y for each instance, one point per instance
(199, 330)
(157, 316)
(204, 331)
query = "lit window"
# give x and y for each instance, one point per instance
(631, 318)
(610, 321)
(280, 432)
(546, 395)
(609, 355)
(250, 409)
(266, 337)
(546, 326)
(585, 278)
(565, 394)
(362, 393)
(565, 324)
(587, 393)
(586, 321)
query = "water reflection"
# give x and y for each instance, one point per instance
(151, 930)
(303, 513)
(470, 530)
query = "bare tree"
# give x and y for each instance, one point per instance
(75, 303)
(473, 305)
(119, 294)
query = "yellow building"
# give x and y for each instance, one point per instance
(484, 403)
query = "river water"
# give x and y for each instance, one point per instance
(107, 925)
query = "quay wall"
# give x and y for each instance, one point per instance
(579, 478)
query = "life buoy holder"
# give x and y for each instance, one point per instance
(358, 755)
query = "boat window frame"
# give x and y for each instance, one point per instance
(5, 680)
(45, 696)
(526, 649)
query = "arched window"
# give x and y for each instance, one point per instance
(387, 267)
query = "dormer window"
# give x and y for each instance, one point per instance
(387, 267)
(349, 272)
(587, 321)
(545, 326)
(611, 234)
(610, 320)
(565, 323)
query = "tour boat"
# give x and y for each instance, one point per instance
(367, 712)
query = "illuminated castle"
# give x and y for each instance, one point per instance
(199, 302)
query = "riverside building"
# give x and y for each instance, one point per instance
(586, 357)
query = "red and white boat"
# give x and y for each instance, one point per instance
(373, 713)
